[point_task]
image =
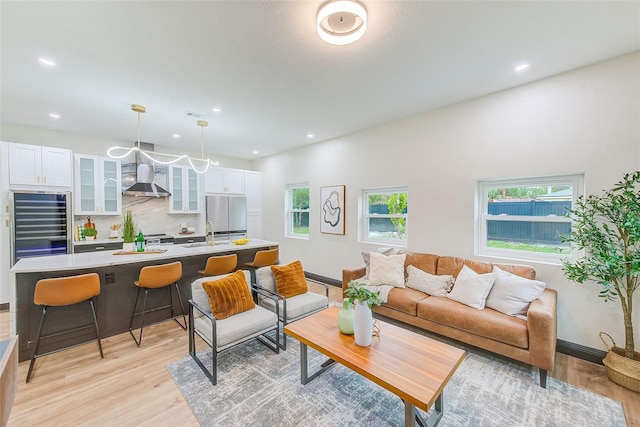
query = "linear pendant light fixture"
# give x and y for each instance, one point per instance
(341, 22)
(111, 152)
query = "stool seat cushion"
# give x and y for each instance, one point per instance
(290, 280)
(61, 291)
(229, 296)
(159, 276)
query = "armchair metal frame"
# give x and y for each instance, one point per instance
(284, 319)
(272, 344)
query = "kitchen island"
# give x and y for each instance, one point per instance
(115, 302)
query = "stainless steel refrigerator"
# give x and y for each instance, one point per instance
(40, 224)
(228, 215)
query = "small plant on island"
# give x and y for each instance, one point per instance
(128, 229)
(358, 291)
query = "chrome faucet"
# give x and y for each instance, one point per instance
(209, 236)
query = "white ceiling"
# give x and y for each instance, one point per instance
(275, 80)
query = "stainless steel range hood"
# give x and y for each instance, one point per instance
(145, 174)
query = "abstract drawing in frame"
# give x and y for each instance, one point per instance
(332, 216)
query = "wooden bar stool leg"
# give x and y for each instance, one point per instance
(35, 349)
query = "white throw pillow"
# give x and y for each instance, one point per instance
(422, 281)
(366, 256)
(387, 270)
(472, 288)
(512, 294)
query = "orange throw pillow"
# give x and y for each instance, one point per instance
(290, 280)
(229, 295)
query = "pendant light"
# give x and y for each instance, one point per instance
(111, 152)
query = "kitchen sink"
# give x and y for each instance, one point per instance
(198, 244)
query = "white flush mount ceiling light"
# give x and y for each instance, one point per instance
(111, 152)
(341, 22)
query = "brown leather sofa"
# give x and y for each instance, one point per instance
(532, 341)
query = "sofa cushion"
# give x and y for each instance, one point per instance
(386, 270)
(405, 300)
(485, 323)
(425, 262)
(428, 283)
(453, 265)
(472, 288)
(512, 294)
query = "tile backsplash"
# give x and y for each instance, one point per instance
(150, 215)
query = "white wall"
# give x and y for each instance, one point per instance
(586, 121)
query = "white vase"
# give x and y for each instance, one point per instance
(362, 324)
(128, 247)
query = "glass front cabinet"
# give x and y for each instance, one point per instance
(185, 183)
(97, 186)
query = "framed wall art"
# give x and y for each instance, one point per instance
(332, 216)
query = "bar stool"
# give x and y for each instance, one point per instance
(262, 259)
(217, 265)
(156, 277)
(61, 292)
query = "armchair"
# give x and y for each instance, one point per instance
(221, 334)
(289, 308)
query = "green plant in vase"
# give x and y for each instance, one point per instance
(128, 229)
(90, 232)
(364, 298)
(358, 291)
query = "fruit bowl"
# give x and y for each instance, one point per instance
(242, 241)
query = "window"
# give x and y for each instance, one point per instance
(297, 207)
(524, 218)
(385, 215)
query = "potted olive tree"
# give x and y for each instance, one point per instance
(606, 229)
(128, 233)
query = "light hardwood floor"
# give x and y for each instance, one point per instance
(132, 387)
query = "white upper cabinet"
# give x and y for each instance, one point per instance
(34, 165)
(97, 188)
(185, 190)
(224, 180)
(253, 191)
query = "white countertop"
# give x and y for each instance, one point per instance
(107, 258)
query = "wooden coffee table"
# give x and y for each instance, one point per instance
(412, 366)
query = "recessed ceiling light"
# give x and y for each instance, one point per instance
(309, 135)
(216, 109)
(521, 67)
(54, 115)
(176, 135)
(255, 152)
(47, 62)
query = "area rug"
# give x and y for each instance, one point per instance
(258, 387)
